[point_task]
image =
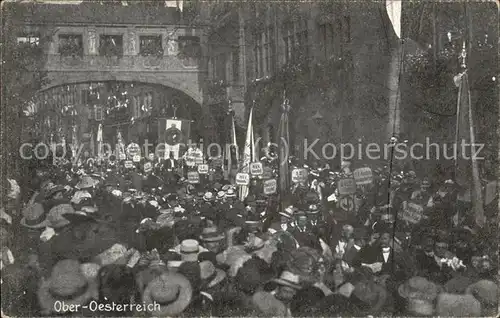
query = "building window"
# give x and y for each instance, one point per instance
(329, 39)
(236, 65)
(220, 67)
(258, 55)
(70, 45)
(98, 113)
(289, 41)
(136, 107)
(111, 45)
(150, 45)
(31, 40)
(270, 51)
(302, 40)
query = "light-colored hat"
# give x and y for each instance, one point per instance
(211, 274)
(190, 250)
(221, 195)
(452, 305)
(485, 291)
(211, 234)
(269, 305)
(313, 209)
(34, 217)
(55, 217)
(79, 196)
(208, 196)
(171, 291)
(288, 279)
(86, 182)
(230, 193)
(67, 284)
(288, 213)
(420, 294)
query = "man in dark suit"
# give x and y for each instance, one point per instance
(170, 167)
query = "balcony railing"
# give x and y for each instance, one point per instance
(58, 62)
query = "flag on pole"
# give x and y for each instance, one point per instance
(247, 155)
(99, 141)
(235, 143)
(284, 142)
(466, 166)
(394, 8)
(120, 146)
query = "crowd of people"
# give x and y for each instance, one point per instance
(116, 239)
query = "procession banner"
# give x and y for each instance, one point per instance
(248, 153)
(133, 150)
(363, 176)
(346, 203)
(173, 136)
(136, 158)
(299, 175)
(242, 179)
(270, 186)
(193, 177)
(256, 169)
(346, 186)
(412, 212)
(203, 169)
(128, 164)
(148, 167)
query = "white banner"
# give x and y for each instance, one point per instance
(173, 137)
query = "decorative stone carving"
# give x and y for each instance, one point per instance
(132, 42)
(92, 41)
(172, 45)
(71, 61)
(152, 62)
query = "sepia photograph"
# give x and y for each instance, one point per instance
(250, 158)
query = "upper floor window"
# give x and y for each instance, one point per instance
(258, 55)
(98, 113)
(70, 45)
(269, 51)
(111, 45)
(32, 40)
(327, 38)
(220, 67)
(236, 64)
(150, 45)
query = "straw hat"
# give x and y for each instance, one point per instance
(288, 213)
(211, 234)
(288, 279)
(67, 283)
(221, 195)
(171, 292)
(190, 250)
(210, 274)
(55, 216)
(86, 182)
(230, 193)
(208, 196)
(420, 294)
(313, 209)
(53, 190)
(34, 217)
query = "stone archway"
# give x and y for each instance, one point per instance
(186, 81)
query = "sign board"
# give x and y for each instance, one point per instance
(490, 192)
(299, 175)
(256, 169)
(346, 186)
(346, 203)
(270, 186)
(129, 164)
(133, 150)
(412, 212)
(136, 158)
(203, 169)
(193, 157)
(193, 177)
(242, 179)
(148, 167)
(363, 176)
(122, 156)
